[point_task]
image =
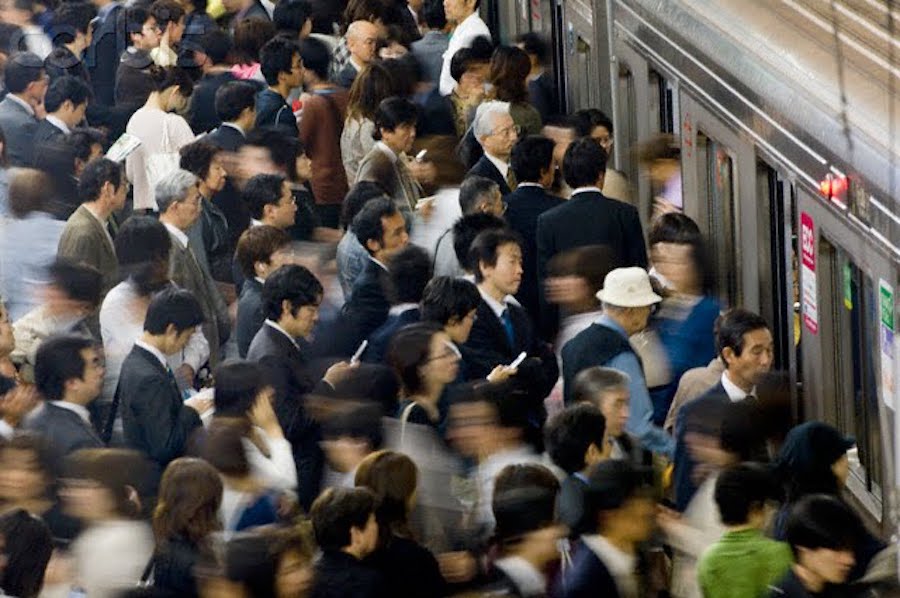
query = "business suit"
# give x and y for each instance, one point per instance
(64, 430)
(588, 576)
(84, 239)
(286, 367)
(19, 127)
(484, 167)
(62, 61)
(155, 419)
(47, 132)
(391, 173)
(429, 51)
(186, 272)
(226, 137)
(380, 340)
(368, 306)
(250, 315)
(524, 207)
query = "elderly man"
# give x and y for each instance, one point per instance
(362, 38)
(627, 300)
(178, 199)
(496, 132)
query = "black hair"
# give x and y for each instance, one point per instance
(507, 404)
(524, 500)
(336, 511)
(448, 298)
(165, 12)
(733, 326)
(57, 361)
(464, 232)
(163, 78)
(584, 163)
(260, 191)
(588, 119)
(360, 194)
(473, 190)
(356, 420)
(82, 140)
(71, 18)
(291, 16)
(258, 244)
(530, 156)
(238, 383)
(569, 434)
(410, 270)
(217, 44)
(197, 157)
(277, 56)
(78, 280)
(409, 350)
(66, 88)
(316, 57)
(174, 306)
(250, 35)
(433, 15)
(292, 283)
(486, 248)
(143, 246)
(611, 484)
(535, 45)
(480, 51)
(283, 146)
(822, 521)
(233, 98)
(135, 16)
(743, 488)
(28, 546)
(367, 223)
(677, 228)
(96, 174)
(22, 69)
(392, 113)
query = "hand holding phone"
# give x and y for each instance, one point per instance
(518, 361)
(359, 352)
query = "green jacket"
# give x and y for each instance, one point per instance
(742, 564)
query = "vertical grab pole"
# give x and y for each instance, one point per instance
(613, 80)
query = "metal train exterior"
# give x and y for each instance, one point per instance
(786, 115)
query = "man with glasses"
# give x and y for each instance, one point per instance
(133, 83)
(282, 67)
(26, 83)
(270, 201)
(497, 133)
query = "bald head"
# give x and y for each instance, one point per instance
(362, 37)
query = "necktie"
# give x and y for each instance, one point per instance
(510, 179)
(508, 326)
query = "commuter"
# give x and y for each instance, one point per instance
(293, 19)
(532, 165)
(25, 81)
(270, 201)
(69, 375)
(72, 35)
(497, 133)
(542, 92)
(661, 157)
(209, 235)
(321, 125)
(373, 85)
(179, 208)
(157, 420)
(66, 102)
(452, 303)
(26, 16)
(259, 253)
(591, 122)
(282, 66)
(608, 390)
(465, 231)
(235, 104)
(429, 51)
(107, 43)
(576, 441)
(197, 23)
(250, 35)
(408, 569)
(477, 195)
(745, 344)
(133, 81)
(694, 384)
(185, 516)
(161, 131)
(349, 435)
(210, 53)
(469, 68)
(346, 532)
(170, 19)
(362, 39)
(409, 270)
(102, 490)
(27, 548)
(294, 552)
(628, 300)
(510, 67)
(467, 26)
(352, 257)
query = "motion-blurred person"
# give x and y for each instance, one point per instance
(348, 436)
(542, 92)
(293, 19)
(86, 237)
(102, 489)
(591, 122)
(294, 552)
(210, 53)
(258, 254)
(282, 66)
(186, 514)
(607, 389)
(352, 257)
(362, 39)
(27, 547)
(496, 133)
(408, 569)
(510, 67)
(373, 85)
(429, 50)
(661, 156)
(467, 26)
(346, 532)
(477, 195)
(73, 27)
(29, 242)
(410, 271)
(26, 83)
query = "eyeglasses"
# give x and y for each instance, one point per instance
(509, 131)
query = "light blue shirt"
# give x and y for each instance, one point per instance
(640, 417)
(27, 247)
(351, 260)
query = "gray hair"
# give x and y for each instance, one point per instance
(594, 381)
(486, 117)
(173, 188)
(474, 190)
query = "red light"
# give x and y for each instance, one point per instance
(832, 186)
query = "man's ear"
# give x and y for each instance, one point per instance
(373, 246)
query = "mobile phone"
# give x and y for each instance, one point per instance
(359, 352)
(421, 155)
(519, 360)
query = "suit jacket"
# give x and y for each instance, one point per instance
(484, 167)
(186, 272)
(64, 429)
(226, 138)
(542, 95)
(46, 132)
(588, 576)
(84, 239)
(19, 127)
(393, 175)
(380, 340)
(102, 57)
(287, 369)
(346, 76)
(368, 306)
(524, 206)
(155, 419)
(340, 575)
(429, 51)
(202, 111)
(250, 315)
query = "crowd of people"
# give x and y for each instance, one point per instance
(314, 298)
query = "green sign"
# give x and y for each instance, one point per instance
(848, 286)
(886, 301)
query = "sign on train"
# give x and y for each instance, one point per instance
(809, 286)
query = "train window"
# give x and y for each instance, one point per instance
(716, 190)
(580, 73)
(665, 115)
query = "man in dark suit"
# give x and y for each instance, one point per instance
(291, 297)
(108, 42)
(210, 52)
(381, 229)
(157, 420)
(362, 40)
(26, 83)
(66, 103)
(72, 24)
(495, 130)
(410, 271)
(68, 373)
(746, 346)
(429, 50)
(532, 164)
(258, 254)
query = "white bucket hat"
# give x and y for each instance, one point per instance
(628, 287)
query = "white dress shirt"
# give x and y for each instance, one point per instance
(589, 189)
(59, 124)
(734, 392)
(179, 234)
(621, 565)
(160, 356)
(462, 37)
(502, 166)
(273, 324)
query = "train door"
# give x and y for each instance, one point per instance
(581, 70)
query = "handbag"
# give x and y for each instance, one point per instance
(161, 164)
